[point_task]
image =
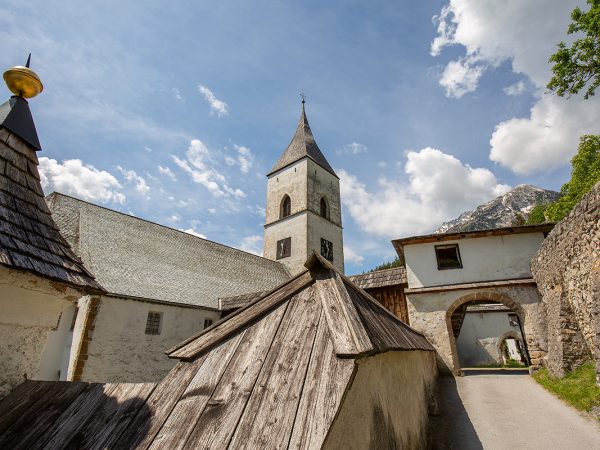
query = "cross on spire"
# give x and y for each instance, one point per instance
(302, 96)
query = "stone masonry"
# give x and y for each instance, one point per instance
(567, 271)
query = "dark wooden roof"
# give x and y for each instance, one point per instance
(440, 237)
(29, 238)
(62, 415)
(380, 278)
(303, 145)
(271, 375)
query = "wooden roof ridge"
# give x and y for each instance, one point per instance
(236, 321)
(359, 324)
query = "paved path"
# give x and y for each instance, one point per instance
(507, 410)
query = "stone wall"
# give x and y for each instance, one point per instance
(567, 271)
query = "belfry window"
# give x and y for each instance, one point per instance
(324, 211)
(286, 206)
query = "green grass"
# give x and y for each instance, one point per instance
(577, 388)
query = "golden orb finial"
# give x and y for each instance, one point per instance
(23, 81)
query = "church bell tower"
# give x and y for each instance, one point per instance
(303, 205)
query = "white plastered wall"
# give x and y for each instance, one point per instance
(120, 351)
(387, 404)
(35, 315)
(483, 259)
(478, 342)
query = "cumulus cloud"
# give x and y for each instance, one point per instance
(440, 187)
(460, 77)
(524, 34)
(217, 106)
(354, 148)
(72, 177)
(515, 89)
(548, 138)
(197, 165)
(140, 183)
(192, 232)
(167, 172)
(252, 244)
(351, 256)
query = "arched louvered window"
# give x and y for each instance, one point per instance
(324, 211)
(286, 206)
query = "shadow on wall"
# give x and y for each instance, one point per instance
(451, 428)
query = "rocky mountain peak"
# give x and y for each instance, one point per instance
(503, 211)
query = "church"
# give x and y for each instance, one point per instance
(124, 289)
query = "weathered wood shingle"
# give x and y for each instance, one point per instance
(380, 278)
(29, 238)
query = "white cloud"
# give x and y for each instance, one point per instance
(460, 77)
(252, 244)
(217, 106)
(515, 89)
(177, 94)
(175, 218)
(354, 148)
(525, 34)
(351, 256)
(196, 164)
(130, 175)
(440, 187)
(548, 138)
(74, 178)
(244, 159)
(192, 232)
(167, 172)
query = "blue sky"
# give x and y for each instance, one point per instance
(175, 111)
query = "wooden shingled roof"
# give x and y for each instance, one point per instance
(29, 238)
(380, 278)
(271, 375)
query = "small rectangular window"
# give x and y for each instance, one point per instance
(448, 257)
(153, 322)
(208, 322)
(513, 320)
(326, 249)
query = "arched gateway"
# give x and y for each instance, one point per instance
(447, 273)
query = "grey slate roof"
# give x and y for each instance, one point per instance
(272, 375)
(29, 238)
(380, 278)
(303, 145)
(136, 258)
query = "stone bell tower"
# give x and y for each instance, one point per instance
(303, 205)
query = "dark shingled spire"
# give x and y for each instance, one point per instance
(303, 145)
(15, 116)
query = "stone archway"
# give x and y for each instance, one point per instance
(516, 336)
(483, 296)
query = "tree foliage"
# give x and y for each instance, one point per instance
(577, 65)
(398, 262)
(585, 173)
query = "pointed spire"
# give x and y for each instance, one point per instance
(303, 145)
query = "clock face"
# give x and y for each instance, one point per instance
(327, 249)
(284, 248)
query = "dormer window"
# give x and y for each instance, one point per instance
(324, 209)
(286, 207)
(448, 257)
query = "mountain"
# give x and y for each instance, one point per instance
(509, 209)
